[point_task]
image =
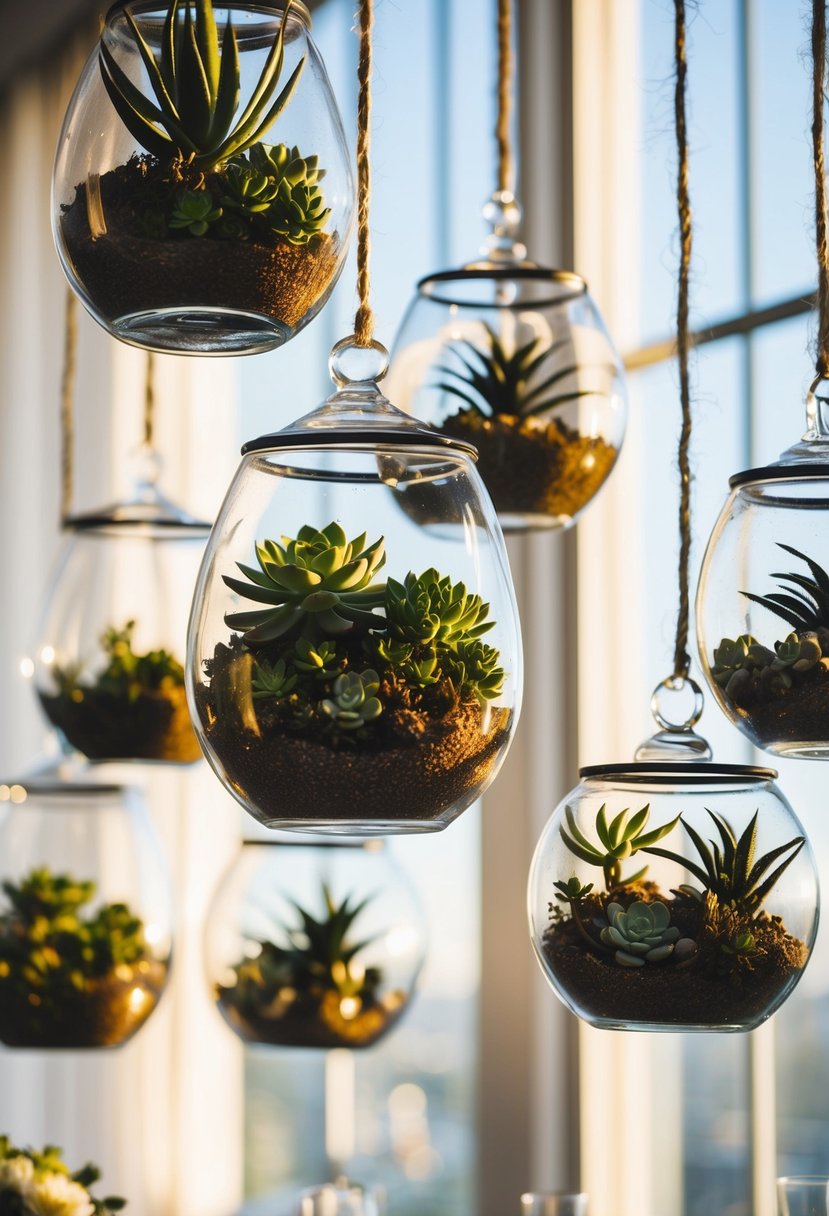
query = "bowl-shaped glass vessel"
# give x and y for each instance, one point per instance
(763, 608)
(313, 945)
(352, 668)
(516, 360)
(109, 661)
(85, 916)
(203, 196)
(672, 896)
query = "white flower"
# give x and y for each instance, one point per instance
(57, 1195)
(16, 1173)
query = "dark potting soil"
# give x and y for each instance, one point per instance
(529, 468)
(125, 272)
(155, 725)
(792, 715)
(299, 778)
(711, 990)
(309, 1022)
(106, 1014)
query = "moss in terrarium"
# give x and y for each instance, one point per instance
(511, 408)
(309, 989)
(221, 217)
(71, 976)
(708, 956)
(134, 708)
(781, 691)
(362, 685)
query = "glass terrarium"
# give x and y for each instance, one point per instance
(763, 608)
(203, 197)
(109, 665)
(313, 945)
(85, 917)
(515, 359)
(353, 667)
(673, 896)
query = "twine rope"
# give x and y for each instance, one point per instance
(149, 402)
(681, 657)
(364, 319)
(505, 76)
(67, 411)
(822, 241)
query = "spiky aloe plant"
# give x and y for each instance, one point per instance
(319, 581)
(620, 838)
(802, 602)
(195, 85)
(495, 382)
(729, 869)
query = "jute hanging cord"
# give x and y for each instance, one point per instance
(822, 241)
(364, 320)
(67, 407)
(149, 402)
(681, 657)
(505, 76)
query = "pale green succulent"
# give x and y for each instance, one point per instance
(320, 583)
(623, 836)
(353, 701)
(194, 211)
(800, 652)
(573, 889)
(195, 81)
(428, 608)
(474, 665)
(298, 210)
(640, 934)
(272, 680)
(247, 189)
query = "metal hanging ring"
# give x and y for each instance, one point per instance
(677, 684)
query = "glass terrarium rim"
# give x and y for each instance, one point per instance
(513, 272)
(663, 772)
(165, 528)
(368, 844)
(341, 438)
(815, 471)
(298, 8)
(61, 789)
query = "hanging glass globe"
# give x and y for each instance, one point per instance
(109, 667)
(353, 667)
(313, 945)
(515, 359)
(673, 894)
(763, 597)
(203, 197)
(85, 917)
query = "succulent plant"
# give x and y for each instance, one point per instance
(802, 602)
(298, 210)
(640, 934)
(320, 660)
(194, 212)
(318, 957)
(729, 870)
(46, 945)
(319, 583)
(572, 889)
(247, 189)
(427, 608)
(33, 1183)
(192, 113)
(623, 836)
(353, 701)
(272, 680)
(128, 674)
(495, 382)
(799, 651)
(474, 665)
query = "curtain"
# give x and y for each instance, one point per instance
(163, 1115)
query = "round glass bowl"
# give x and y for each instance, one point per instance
(108, 664)
(313, 945)
(763, 608)
(680, 897)
(351, 669)
(212, 219)
(515, 359)
(85, 917)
